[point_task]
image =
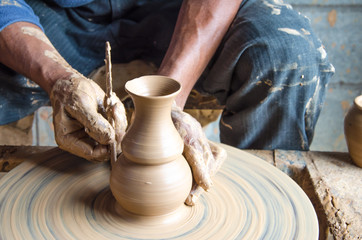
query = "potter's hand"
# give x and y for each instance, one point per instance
(80, 125)
(204, 157)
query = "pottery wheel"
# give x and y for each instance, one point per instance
(59, 196)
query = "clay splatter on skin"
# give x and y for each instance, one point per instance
(34, 32)
(87, 136)
(54, 55)
(195, 151)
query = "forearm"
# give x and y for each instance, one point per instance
(25, 49)
(200, 27)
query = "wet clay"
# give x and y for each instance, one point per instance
(80, 126)
(151, 177)
(57, 195)
(78, 113)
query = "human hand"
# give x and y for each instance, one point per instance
(80, 126)
(204, 157)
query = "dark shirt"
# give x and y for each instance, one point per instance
(12, 11)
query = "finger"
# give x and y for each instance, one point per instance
(85, 110)
(63, 124)
(70, 136)
(78, 143)
(220, 156)
(194, 195)
(120, 123)
(196, 148)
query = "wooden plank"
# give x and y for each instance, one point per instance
(337, 183)
(12, 156)
(267, 155)
(291, 163)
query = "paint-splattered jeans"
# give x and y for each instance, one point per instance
(270, 71)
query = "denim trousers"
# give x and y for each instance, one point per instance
(270, 71)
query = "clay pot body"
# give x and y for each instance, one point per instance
(353, 131)
(151, 177)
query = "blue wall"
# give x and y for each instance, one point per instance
(338, 23)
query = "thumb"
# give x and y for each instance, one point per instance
(84, 107)
(120, 123)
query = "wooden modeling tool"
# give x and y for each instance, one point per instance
(108, 98)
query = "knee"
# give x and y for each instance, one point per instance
(274, 32)
(275, 47)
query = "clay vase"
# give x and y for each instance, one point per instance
(353, 131)
(151, 177)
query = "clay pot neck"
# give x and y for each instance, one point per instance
(153, 97)
(153, 88)
(152, 137)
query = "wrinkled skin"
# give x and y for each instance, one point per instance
(80, 123)
(204, 157)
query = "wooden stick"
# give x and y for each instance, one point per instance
(108, 98)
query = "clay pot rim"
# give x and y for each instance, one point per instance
(154, 78)
(358, 102)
